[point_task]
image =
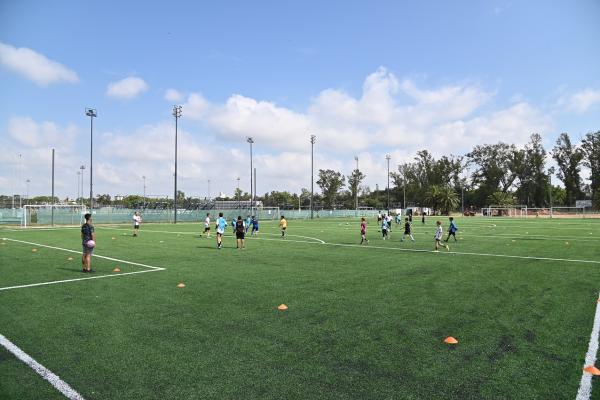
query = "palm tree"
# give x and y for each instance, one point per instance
(432, 197)
(448, 199)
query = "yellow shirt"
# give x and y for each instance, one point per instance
(283, 223)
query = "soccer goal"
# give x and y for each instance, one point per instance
(266, 213)
(519, 210)
(40, 215)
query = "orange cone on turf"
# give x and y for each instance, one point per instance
(282, 307)
(181, 285)
(450, 340)
(117, 269)
(592, 370)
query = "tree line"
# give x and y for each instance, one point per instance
(490, 174)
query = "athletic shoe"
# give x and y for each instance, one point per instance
(83, 270)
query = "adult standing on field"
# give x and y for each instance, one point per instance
(137, 220)
(87, 235)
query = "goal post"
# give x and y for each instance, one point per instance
(41, 215)
(566, 212)
(518, 210)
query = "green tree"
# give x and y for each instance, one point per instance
(432, 197)
(354, 181)
(499, 198)
(103, 199)
(568, 158)
(591, 159)
(330, 183)
(448, 199)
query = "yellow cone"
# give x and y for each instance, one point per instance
(33, 250)
(566, 243)
(592, 370)
(114, 238)
(282, 307)
(117, 269)
(450, 340)
(181, 285)
(70, 259)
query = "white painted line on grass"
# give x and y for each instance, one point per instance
(150, 268)
(42, 371)
(585, 386)
(79, 252)
(77, 279)
(197, 233)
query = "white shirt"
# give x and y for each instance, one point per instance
(439, 233)
(207, 222)
(137, 219)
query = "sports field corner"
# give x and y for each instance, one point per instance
(364, 321)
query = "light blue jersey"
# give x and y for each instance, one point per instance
(221, 224)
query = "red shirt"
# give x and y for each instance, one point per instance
(363, 227)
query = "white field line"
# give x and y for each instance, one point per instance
(197, 233)
(42, 371)
(464, 253)
(150, 268)
(585, 386)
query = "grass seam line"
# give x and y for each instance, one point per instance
(42, 371)
(585, 385)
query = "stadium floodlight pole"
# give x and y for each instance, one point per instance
(388, 157)
(144, 178)
(209, 189)
(92, 113)
(462, 199)
(250, 140)
(52, 187)
(78, 181)
(356, 194)
(313, 139)
(20, 187)
(238, 191)
(177, 115)
(82, 168)
(28, 181)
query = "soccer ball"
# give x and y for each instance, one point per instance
(91, 244)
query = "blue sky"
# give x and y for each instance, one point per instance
(368, 78)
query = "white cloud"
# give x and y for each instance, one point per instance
(196, 106)
(127, 88)
(173, 96)
(35, 66)
(582, 101)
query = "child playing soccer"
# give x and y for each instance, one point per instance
(221, 226)
(248, 223)
(283, 226)
(254, 225)
(233, 221)
(384, 227)
(363, 231)
(87, 234)
(240, 231)
(407, 230)
(438, 237)
(207, 225)
(452, 230)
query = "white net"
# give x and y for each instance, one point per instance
(43, 215)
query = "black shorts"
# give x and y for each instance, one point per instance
(207, 229)
(136, 226)
(239, 235)
(407, 232)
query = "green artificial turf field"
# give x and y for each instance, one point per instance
(364, 322)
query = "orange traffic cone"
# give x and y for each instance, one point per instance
(592, 370)
(117, 269)
(181, 285)
(282, 307)
(450, 340)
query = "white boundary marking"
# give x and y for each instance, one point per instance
(585, 386)
(42, 371)
(150, 268)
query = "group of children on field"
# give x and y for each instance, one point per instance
(386, 228)
(240, 228)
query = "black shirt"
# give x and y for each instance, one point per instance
(87, 231)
